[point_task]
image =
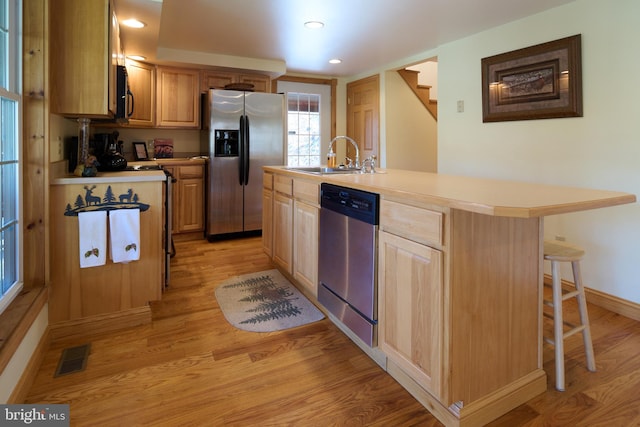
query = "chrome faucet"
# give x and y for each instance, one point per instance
(355, 145)
(371, 163)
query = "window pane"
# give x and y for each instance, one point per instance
(303, 129)
(4, 44)
(10, 61)
(8, 118)
(8, 258)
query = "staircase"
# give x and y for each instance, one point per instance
(421, 91)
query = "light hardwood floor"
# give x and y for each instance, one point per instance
(189, 367)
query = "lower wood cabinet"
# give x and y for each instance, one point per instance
(410, 295)
(305, 245)
(283, 231)
(267, 221)
(188, 197)
(291, 213)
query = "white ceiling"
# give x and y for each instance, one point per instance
(269, 35)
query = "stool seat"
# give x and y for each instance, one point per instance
(557, 252)
(564, 252)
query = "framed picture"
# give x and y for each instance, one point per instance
(140, 151)
(538, 82)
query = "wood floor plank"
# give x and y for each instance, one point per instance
(190, 367)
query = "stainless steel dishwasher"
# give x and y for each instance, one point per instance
(347, 259)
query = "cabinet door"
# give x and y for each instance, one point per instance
(191, 205)
(267, 221)
(260, 83)
(81, 67)
(283, 231)
(410, 307)
(178, 98)
(216, 80)
(305, 245)
(142, 82)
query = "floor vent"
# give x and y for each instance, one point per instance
(73, 359)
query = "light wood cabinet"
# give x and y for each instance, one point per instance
(177, 98)
(220, 79)
(283, 222)
(142, 82)
(187, 197)
(291, 214)
(85, 50)
(283, 231)
(79, 293)
(306, 219)
(410, 308)
(267, 214)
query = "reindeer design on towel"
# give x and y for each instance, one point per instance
(89, 198)
(126, 197)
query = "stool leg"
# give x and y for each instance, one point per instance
(584, 317)
(558, 333)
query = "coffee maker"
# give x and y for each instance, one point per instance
(108, 149)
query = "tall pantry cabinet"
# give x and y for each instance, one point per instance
(84, 53)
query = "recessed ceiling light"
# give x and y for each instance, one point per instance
(137, 57)
(314, 24)
(335, 61)
(133, 23)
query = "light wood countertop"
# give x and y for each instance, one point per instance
(480, 195)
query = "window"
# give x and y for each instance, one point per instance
(10, 133)
(308, 121)
(303, 122)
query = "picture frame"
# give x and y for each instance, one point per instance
(140, 151)
(537, 82)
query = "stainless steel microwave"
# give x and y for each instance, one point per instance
(124, 97)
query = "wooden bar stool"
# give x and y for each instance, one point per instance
(558, 252)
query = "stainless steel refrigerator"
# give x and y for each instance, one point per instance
(246, 132)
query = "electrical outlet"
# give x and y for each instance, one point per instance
(460, 106)
(561, 238)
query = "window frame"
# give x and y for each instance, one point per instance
(13, 92)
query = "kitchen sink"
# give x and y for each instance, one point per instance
(323, 170)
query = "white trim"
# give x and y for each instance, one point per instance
(6, 299)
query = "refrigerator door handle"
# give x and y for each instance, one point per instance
(247, 140)
(242, 152)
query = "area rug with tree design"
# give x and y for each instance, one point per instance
(264, 302)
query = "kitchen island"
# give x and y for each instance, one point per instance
(113, 295)
(459, 278)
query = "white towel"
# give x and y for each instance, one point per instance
(92, 231)
(124, 228)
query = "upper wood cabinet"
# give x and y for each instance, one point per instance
(85, 50)
(219, 79)
(177, 98)
(142, 83)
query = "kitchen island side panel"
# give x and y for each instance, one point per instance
(76, 292)
(495, 302)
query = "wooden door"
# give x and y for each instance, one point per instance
(363, 116)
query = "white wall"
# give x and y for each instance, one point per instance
(14, 370)
(600, 150)
(428, 76)
(411, 128)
